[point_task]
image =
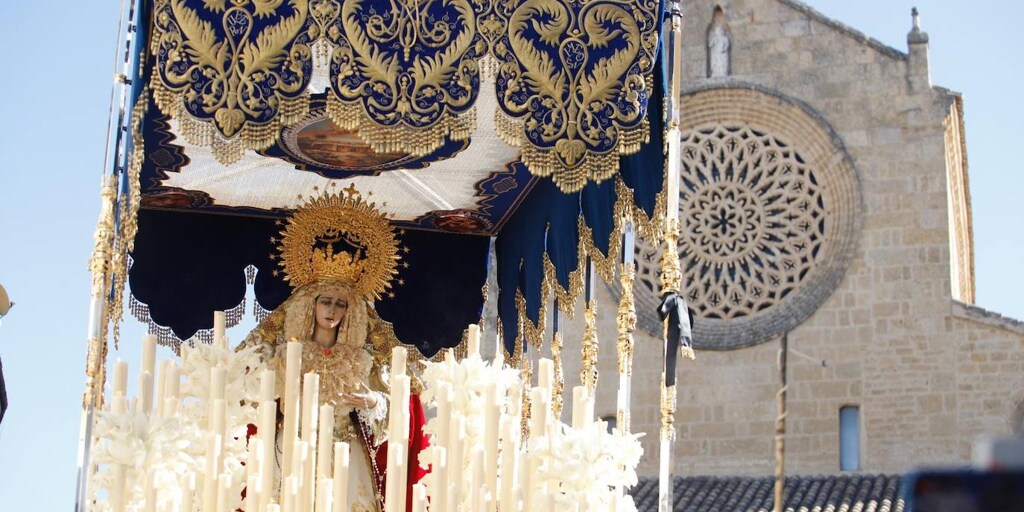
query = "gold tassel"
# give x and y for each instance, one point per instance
(588, 375)
(626, 321)
(559, 385)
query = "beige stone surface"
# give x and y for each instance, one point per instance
(929, 373)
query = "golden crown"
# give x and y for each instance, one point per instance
(340, 236)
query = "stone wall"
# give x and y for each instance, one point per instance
(929, 374)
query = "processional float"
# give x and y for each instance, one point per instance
(544, 133)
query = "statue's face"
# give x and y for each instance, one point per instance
(331, 307)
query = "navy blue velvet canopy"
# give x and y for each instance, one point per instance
(206, 212)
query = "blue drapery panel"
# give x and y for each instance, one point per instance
(546, 224)
(188, 265)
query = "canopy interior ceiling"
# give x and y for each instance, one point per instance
(537, 124)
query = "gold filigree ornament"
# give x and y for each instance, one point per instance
(405, 73)
(340, 236)
(232, 73)
(573, 85)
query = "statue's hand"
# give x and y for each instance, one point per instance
(359, 400)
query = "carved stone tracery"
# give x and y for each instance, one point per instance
(769, 210)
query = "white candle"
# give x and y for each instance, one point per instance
(419, 498)
(171, 407)
(488, 501)
(438, 479)
(398, 435)
(442, 441)
(291, 494)
(324, 495)
(148, 366)
(452, 496)
(252, 491)
(148, 493)
(399, 356)
(161, 389)
(473, 341)
(509, 457)
(220, 339)
(455, 462)
(188, 491)
(273, 507)
(341, 460)
(478, 478)
(393, 493)
(579, 396)
(546, 373)
(267, 431)
(310, 404)
(310, 408)
(539, 400)
(146, 391)
(223, 489)
(444, 414)
(252, 458)
(173, 383)
(298, 463)
(325, 441)
(218, 424)
(492, 412)
(212, 470)
(148, 354)
(117, 491)
(268, 382)
(588, 409)
(218, 381)
(120, 381)
(293, 367)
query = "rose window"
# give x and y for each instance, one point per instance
(769, 216)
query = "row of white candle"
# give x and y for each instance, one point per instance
(499, 465)
(500, 468)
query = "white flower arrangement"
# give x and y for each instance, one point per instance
(587, 465)
(146, 445)
(468, 378)
(164, 448)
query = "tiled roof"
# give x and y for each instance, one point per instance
(878, 493)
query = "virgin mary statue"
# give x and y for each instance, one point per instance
(340, 253)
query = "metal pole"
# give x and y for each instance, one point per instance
(671, 276)
(96, 351)
(780, 427)
(626, 321)
(102, 255)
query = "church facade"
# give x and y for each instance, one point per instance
(824, 198)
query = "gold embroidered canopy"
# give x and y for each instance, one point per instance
(572, 78)
(238, 106)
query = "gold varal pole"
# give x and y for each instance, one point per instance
(103, 250)
(671, 277)
(96, 352)
(626, 323)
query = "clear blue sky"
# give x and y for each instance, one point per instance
(57, 70)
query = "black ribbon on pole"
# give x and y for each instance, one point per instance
(680, 334)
